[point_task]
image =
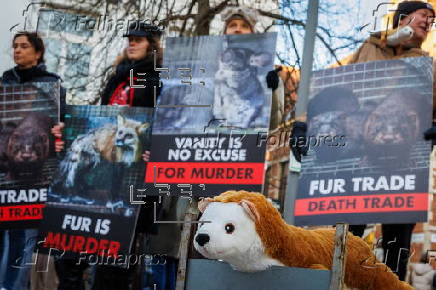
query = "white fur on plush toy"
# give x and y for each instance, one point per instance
(232, 237)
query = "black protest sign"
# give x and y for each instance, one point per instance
(27, 157)
(376, 171)
(89, 197)
(211, 111)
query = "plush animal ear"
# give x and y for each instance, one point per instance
(250, 209)
(203, 203)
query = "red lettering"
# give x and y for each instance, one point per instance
(91, 246)
(78, 244)
(52, 240)
(113, 248)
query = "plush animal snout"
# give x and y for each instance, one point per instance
(202, 239)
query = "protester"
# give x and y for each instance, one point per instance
(241, 20)
(418, 15)
(236, 21)
(17, 244)
(121, 90)
(139, 57)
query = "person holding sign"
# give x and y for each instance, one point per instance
(242, 21)
(135, 77)
(418, 16)
(28, 49)
(134, 83)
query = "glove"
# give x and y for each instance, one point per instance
(272, 78)
(298, 140)
(430, 134)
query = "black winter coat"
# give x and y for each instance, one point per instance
(35, 74)
(142, 97)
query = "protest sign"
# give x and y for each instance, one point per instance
(27, 157)
(368, 161)
(89, 210)
(212, 117)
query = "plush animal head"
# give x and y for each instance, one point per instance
(233, 230)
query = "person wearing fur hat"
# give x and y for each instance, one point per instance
(239, 20)
(242, 20)
(418, 16)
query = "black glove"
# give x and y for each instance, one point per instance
(272, 78)
(298, 140)
(430, 134)
(434, 281)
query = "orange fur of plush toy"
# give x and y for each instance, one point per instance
(298, 247)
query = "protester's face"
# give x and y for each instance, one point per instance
(238, 26)
(420, 21)
(25, 55)
(137, 49)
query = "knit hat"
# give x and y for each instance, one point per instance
(139, 28)
(243, 13)
(408, 7)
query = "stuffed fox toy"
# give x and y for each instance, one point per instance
(245, 230)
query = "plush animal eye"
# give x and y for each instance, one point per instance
(229, 228)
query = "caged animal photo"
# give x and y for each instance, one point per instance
(89, 161)
(331, 113)
(381, 133)
(394, 126)
(239, 95)
(25, 146)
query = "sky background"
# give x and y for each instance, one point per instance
(353, 13)
(10, 14)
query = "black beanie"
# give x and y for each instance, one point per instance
(408, 7)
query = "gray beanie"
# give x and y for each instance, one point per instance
(243, 13)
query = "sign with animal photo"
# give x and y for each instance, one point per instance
(368, 161)
(213, 114)
(27, 156)
(89, 199)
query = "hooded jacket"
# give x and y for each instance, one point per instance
(374, 49)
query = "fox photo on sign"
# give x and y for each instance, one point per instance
(27, 157)
(211, 114)
(368, 161)
(88, 209)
